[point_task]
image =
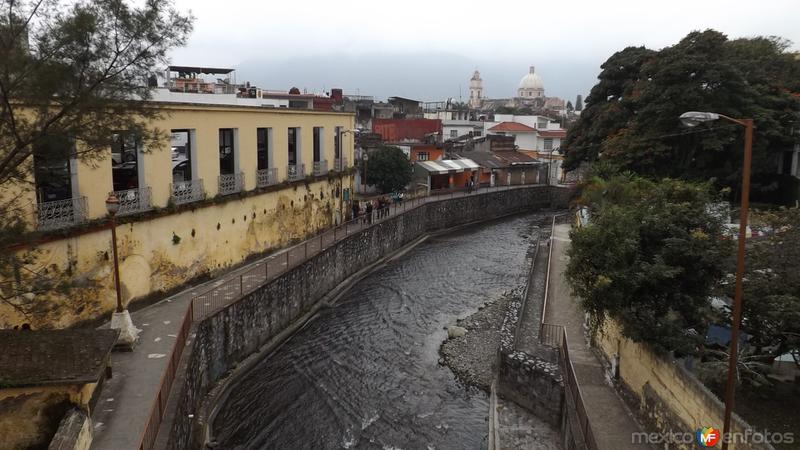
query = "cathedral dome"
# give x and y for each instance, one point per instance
(531, 81)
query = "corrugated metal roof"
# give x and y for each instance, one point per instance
(448, 165)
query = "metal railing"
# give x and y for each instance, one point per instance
(231, 183)
(60, 213)
(266, 177)
(320, 167)
(132, 201)
(260, 273)
(187, 191)
(339, 164)
(295, 172)
(160, 403)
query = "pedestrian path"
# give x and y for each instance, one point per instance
(611, 420)
(131, 403)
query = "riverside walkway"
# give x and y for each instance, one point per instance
(133, 402)
(611, 420)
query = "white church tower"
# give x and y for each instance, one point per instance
(475, 90)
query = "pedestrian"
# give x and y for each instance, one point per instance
(355, 209)
(471, 185)
(368, 217)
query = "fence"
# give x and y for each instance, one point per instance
(556, 336)
(246, 280)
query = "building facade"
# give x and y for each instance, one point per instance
(227, 182)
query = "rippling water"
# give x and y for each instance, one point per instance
(365, 374)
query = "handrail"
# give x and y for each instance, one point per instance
(547, 277)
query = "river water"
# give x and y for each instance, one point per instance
(365, 374)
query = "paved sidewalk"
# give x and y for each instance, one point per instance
(127, 399)
(611, 420)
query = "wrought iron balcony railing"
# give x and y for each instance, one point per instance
(60, 213)
(295, 172)
(187, 191)
(132, 201)
(320, 167)
(266, 177)
(231, 183)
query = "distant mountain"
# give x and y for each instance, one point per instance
(422, 76)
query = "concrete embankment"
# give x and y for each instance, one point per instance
(227, 338)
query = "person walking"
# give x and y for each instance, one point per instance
(355, 209)
(368, 217)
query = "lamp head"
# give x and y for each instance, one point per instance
(112, 204)
(694, 118)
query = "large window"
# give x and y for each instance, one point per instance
(317, 143)
(182, 155)
(422, 156)
(294, 147)
(52, 170)
(263, 136)
(548, 143)
(226, 151)
(453, 133)
(125, 161)
(337, 143)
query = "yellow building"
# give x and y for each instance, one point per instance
(232, 180)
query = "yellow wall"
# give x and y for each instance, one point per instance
(225, 232)
(683, 396)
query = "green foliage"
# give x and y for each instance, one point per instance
(771, 301)
(389, 169)
(649, 258)
(70, 72)
(632, 113)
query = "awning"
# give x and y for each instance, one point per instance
(448, 166)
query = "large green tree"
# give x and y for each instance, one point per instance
(70, 71)
(388, 168)
(649, 257)
(632, 113)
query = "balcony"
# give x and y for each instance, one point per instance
(60, 213)
(132, 201)
(266, 177)
(295, 172)
(231, 183)
(187, 191)
(339, 164)
(320, 167)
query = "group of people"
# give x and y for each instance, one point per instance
(365, 209)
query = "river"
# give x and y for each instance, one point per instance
(365, 374)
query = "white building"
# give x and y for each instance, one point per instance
(530, 86)
(531, 133)
(475, 90)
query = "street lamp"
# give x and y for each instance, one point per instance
(365, 157)
(691, 119)
(121, 319)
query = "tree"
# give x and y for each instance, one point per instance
(75, 72)
(389, 169)
(649, 258)
(569, 106)
(632, 117)
(579, 103)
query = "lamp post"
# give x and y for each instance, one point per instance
(691, 119)
(365, 157)
(121, 319)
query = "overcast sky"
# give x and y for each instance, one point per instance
(275, 43)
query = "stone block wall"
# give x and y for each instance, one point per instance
(232, 334)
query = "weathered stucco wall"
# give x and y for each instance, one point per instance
(161, 253)
(238, 330)
(671, 399)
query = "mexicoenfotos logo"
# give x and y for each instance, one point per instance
(707, 436)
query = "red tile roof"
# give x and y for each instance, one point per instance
(512, 127)
(553, 133)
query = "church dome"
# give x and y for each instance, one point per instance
(531, 81)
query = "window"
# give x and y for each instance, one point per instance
(294, 139)
(125, 161)
(548, 143)
(226, 151)
(477, 133)
(53, 170)
(263, 138)
(182, 155)
(542, 123)
(422, 156)
(317, 143)
(337, 143)
(453, 133)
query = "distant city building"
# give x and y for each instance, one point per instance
(475, 91)
(530, 94)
